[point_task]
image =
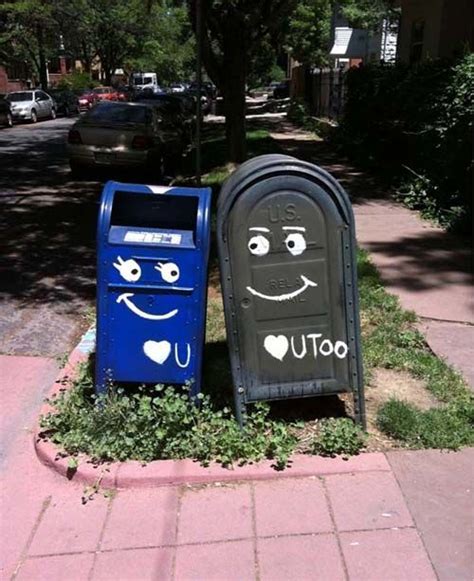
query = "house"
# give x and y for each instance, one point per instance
(14, 78)
(352, 46)
(432, 29)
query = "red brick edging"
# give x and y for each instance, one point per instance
(172, 472)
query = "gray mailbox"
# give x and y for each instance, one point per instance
(288, 267)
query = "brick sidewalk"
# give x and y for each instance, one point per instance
(339, 526)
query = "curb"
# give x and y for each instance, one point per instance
(134, 474)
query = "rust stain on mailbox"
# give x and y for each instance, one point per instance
(287, 255)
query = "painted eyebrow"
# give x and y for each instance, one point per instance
(259, 229)
(299, 228)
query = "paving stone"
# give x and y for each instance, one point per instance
(290, 507)
(453, 342)
(232, 561)
(215, 514)
(29, 380)
(141, 518)
(134, 565)
(57, 568)
(69, 526)
(439, 490)
(308, 557)
(391, 555)
(367, 501)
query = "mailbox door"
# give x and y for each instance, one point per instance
(152, 313)
(286, 244)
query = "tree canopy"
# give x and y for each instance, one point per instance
(240, 39)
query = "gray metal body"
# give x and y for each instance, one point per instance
(288, 266)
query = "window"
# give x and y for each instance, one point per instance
(20, 96)
(416, 44)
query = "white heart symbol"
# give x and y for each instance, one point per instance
(157, 351)
(277, 346)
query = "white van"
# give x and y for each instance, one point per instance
(142, 81)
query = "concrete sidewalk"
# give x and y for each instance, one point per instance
(429, 269)
(400, 516)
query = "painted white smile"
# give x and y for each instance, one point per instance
(125, 298)
(287, 296)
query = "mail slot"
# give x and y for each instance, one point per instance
(288, 266)
(153, 251)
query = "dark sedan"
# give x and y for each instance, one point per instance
(67, 102)
(6, 116)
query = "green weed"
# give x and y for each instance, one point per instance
(160, 422)
(339, 436)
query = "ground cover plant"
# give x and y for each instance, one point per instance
(160, 422)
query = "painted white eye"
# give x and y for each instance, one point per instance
(259, 245)
(169, 271)
(129, 269)
(296, 244)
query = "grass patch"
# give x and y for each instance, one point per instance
(150, 423)
(160, 422)
(449, 427)
(390, 340)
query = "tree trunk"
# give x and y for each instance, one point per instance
(234, 99)
(43, 66)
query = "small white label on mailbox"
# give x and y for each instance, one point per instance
(153, 237)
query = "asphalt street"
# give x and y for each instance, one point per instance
(47, 235)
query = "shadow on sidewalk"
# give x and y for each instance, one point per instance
(426, 257)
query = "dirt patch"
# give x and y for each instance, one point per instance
(384, 385)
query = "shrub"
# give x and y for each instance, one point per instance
(419, 121)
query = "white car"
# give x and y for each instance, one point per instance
(31, 105)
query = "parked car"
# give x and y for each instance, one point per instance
(31, 105)
(282, 90)
(209, 88)
(87, 99)
(6, 115)
(67, 102)
(127, 135)
(106, 93)
(174, 116)
(124, 94)
(177, 88)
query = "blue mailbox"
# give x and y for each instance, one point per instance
(153, 251)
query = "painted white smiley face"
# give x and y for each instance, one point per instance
(131, 271)
(295, 242)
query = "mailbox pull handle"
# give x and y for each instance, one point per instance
(152, 258)
(150, 287)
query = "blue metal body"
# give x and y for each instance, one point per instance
(152, 257)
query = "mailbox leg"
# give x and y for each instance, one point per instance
(359, 408)
(240, 409)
